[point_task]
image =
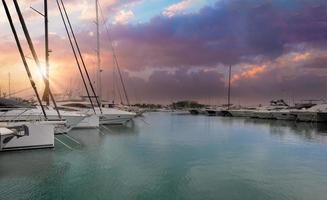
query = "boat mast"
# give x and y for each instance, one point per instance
(71, 36)
(20, 49)
(46, 30)
(9, 85)
(99, 82)
(32, 49)
(229, 84)
(115, 60)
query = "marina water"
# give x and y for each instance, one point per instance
(171, 156)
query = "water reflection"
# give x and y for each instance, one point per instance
(86, 137)
(311, 131)
(14, 164)
(129, 129)
(175, 157)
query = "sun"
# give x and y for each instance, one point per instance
(41, 72)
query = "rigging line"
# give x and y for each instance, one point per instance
(32, 49)
(119, 93)
(80, 55)
(114, 56)
(20, 91)
(74, 52)
(116, 86)
(23, 57)
(113, 85)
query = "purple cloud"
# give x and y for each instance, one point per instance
(230, 32)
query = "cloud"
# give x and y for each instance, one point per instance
(178, 7)
(277, 49)
(231, 32)
(123, 17)
(166, 86)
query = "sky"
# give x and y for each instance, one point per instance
(171, 50)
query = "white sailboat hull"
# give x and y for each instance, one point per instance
(91, 121)
(72, 119)
(39, 136)
(106, 116)
(114, 119)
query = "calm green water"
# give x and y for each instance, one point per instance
(175, 157)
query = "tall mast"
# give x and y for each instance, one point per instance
(22, 55)
(70, 36)
(99, 82)
(9, 85)
(32, 49)
(46, 42)
(229, 84)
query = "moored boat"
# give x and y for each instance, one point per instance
(317, 113)
(107, 116)
(28, 136)
(284, 114)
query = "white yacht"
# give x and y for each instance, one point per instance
(317, 113)
(109, 116)
(266, 112)
(284, 114)
(28, 136)
(263, 113)
(245, 112)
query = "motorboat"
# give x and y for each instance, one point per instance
(284, 114)
(317, 113)
(266, 112)
(246, 112)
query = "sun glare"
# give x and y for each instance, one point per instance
(41, 72)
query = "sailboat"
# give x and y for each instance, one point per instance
(26, 135)
(107, 116)
(222, 110)
(26, 114)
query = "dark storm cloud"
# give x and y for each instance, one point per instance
(288, 37)
(164, 87)
(229, 32)
(275, 84)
